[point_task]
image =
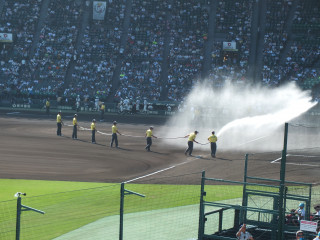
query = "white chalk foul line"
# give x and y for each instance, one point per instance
(300, 164)
(276, 160)
(150, 174)
(13, 113)
(162, 170)
(256, 139)
(297, 164)
(306, 156)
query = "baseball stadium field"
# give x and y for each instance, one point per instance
(30, 149)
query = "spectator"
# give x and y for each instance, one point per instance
(301, 212)
(317, 208)
(299, 235)
(243, 234)
(291, 219)
(317, 237)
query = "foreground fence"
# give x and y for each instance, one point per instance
(167, 211)
(158, 208)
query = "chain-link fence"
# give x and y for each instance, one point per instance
(152, 209)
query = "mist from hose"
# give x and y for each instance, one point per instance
(243, 117)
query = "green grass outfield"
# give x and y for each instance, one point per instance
(73, 205)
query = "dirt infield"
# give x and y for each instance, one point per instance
(30, 149)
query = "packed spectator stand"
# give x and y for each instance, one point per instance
(154, 50)
(233, 19)
(96, 57)
(141, 63)
(188, 30)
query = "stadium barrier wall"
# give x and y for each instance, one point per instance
(36, 104)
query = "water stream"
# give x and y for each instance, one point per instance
(243, 117)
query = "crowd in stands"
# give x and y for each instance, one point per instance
(20, 17)
(275, 39)
(164, 41)
(188, 33)
(303, 49)
(233, 18)
(141, 63)
(44, 72)
(56, 46)
(96, 59)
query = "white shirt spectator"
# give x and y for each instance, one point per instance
(301, 213)
(245, 236)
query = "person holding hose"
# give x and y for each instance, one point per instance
(191, 138)
(59, 124)
(149, 136)
(114, 137)
(213, 144)
(93, 131)
(75, 127)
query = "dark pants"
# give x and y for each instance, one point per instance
(114, 138)
(213, 149)
(190, 148)
(101, 114)
(149, 143)
(93, 140)
(74, 133)
(47, 110)
(59, 129)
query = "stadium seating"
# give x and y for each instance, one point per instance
(234, 19)
(142, 58)
(95, 61)
(189, 29)
(61, 51)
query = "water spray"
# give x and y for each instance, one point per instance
(242, 116)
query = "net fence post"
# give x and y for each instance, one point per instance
(243, 213)
(282, 183)
(18, 217)
(21, 208)
(121, 211)
(201, 209)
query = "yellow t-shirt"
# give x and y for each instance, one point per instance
(149, 133)
(103, 107)
(74, 121)
(93, 126)
(47, 104)
(114, 129)
(213, 138)
(58, 118)
(192, 137)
